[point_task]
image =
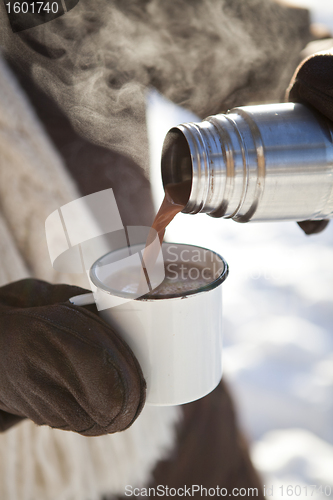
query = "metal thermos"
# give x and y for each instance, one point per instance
(255, 163)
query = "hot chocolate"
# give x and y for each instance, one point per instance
(180, 278)
(175, 199)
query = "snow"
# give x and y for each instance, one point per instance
(278, 326)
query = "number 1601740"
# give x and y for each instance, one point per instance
(32, 7)
(309, 490)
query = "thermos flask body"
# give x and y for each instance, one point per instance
(255, 163)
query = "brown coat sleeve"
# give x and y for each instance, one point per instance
(210, 449)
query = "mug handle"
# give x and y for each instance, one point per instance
(83, 300)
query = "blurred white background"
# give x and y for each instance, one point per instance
(278, 319)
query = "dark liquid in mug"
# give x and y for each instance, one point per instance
(180, 278)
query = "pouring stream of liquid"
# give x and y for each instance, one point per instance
(172, 204)
(175, 199)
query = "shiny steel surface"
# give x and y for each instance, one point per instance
(258, 163)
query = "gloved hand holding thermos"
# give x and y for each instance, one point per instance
(313, 84)
(262, 163)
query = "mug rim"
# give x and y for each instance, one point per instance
(147, 297)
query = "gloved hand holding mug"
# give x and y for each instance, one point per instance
(63, 366)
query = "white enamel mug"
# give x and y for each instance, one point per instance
(177, 338)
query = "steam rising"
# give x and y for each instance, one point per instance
(207, 55)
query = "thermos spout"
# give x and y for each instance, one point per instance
(255, 163)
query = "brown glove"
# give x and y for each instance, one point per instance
(61, 365)
(312, 84)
